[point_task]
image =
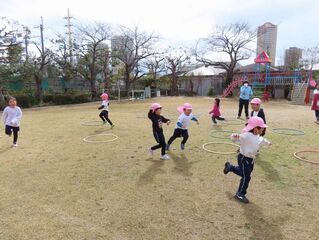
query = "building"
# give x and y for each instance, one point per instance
(122, 47)
(202, 80)
(293, 56)
(267, 40)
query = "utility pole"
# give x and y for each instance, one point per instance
(42, 49)
(69, 25)
(42, 40)
(26, 43)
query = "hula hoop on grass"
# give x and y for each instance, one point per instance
(232, 122)
(215, 152)
(87, 139)
(304, 160)
(92, 123)
(289, 131)
(211, 133)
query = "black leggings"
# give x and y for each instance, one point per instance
(104, 115)
(218, 118)
(15, 130)
(243, 103)
(160, 139)
(179, 133)
(317, 114)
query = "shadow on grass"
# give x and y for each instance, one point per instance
(182, 164)
(151, 172)
(101, 130)
(4, 150)
(271, 173)
(257, 223)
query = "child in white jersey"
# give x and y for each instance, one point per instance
(104, 115)
(250, 143)
(11, 118)
(181, 129)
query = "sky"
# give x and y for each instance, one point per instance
(178, 22)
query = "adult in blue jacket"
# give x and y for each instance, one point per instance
(245, 94)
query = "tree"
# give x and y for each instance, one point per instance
(62, 58)
(155, 66)
(34, 68)
(175, 60)
(10, 37)
(90, 50)
(230, 40)
(310, 56)
(132, 48)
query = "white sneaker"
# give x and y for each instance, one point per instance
(151, 152)
(164, 157)
(15, 145)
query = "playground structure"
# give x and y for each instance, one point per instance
(263, 81)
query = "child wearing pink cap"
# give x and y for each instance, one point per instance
(157, 124)
(258, 111)
(181, 129)
(250, 143)
(104, 114)
(315, 102)
(215, 112)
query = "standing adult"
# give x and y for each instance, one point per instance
(245, 95)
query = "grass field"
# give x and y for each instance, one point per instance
(55, 186)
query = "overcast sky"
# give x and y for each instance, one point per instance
(178, 21)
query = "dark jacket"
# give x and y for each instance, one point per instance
(157, 121)
(260, 114)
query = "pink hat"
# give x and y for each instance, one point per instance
(184, 106)
(254, 122)
(155, 106)
(255, 101)
(312, 83)
(104, 96)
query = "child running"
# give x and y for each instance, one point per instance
(181, 129)
(249, 145)
(315, 103)
(215, 112)
(157, 123)
(104, 115)
(11, 118)
(258, 111)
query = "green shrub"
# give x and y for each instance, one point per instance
(26, 101)
(210, 92)
(60, 99)
(48, 98)
(81, 98)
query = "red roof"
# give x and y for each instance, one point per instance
(262, 58)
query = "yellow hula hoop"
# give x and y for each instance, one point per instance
(303, 160)
(215, 152)
(87, 139)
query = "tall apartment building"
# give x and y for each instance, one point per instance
(293, 56)
(267, 40)
(121, 47)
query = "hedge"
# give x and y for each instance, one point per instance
(27, 101)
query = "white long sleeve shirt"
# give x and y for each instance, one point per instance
(12, 116)
(105, 105)
(184, 120)
(249, 143)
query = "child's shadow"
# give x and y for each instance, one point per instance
(101, 130)
(271, 173)
(182, 164)
(151, 172)
(257, 223)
